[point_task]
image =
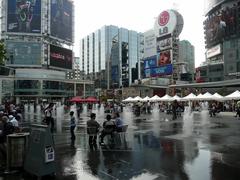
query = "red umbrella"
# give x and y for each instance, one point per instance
(77, 99)
(91, 99)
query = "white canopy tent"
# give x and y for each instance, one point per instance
(206, 97)
(146, 99)
(189, 97)
(166, 98)
(198, 97)
(136, 99)
(176, 97)
(218, 97)
(129, 99)
(234, 96)
(155, 98)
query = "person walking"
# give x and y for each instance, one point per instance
(72, 128)
(174, 109)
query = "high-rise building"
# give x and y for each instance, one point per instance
(111, 56)
(187, 58)
(222, 40)
(38, 36)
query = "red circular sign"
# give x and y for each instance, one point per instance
(163, 18)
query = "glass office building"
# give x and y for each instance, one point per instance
(111, 56)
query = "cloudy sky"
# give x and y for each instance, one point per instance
(91, 15)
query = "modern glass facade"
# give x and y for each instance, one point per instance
(102, 57)
(186, 55)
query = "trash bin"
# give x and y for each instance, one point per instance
(16, 149)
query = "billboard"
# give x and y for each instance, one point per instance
(149, 43)
(221, 24)
(164, 44)
(150, 62)
(61, 19)
(159, 71)
(214, 51)
(164, 58)
(24, 16)
(60, 57)
(23, 53)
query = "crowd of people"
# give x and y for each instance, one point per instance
(10, 122)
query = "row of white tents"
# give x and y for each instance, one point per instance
(191, 97)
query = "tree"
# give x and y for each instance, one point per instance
(3, 52)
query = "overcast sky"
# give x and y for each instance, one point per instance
(139, 15)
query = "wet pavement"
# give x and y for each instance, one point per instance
(193, 147)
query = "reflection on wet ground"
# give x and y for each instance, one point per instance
(193, 147)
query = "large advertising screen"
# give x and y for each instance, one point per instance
(60, 57)
(220, 25)
(164, 58)
(150, 62)
(164, 44)
(24, 16)
(209, 4)
(159, 71)
(61, 19)
(23, 53)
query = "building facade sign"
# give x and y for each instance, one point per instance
(165, 23)
(164, 44)
(216, 50)
(149, 43)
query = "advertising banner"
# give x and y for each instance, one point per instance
(164, 58)
(24, 16)
(164, 44)
(159, 71)
(216, 50)
(61, 19)
(23, 53)
(149, 43)
(60, 57)
(150, 62)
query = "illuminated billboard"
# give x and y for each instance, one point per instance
(159, 71)
(24, 16)
(221, 24)
(150, 62)
(164, 44)
(23, 53)
(164, 58)
(60, 57)
(61, 19)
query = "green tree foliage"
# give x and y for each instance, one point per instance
(3, 52)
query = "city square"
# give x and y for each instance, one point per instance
(115, 89)
(194, 146)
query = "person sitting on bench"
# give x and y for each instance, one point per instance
(118, 122)
(108, 128)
